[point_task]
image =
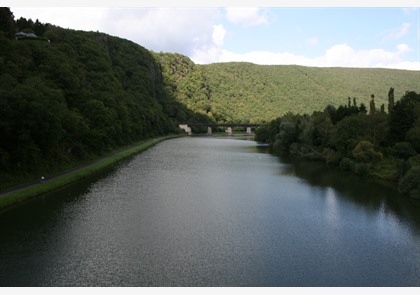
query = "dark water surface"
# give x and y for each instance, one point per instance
(213, 212)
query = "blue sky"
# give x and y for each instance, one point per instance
(386, 37)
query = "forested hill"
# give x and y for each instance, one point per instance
(245, 92)
(69, 95)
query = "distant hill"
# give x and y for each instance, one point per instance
(245, 92)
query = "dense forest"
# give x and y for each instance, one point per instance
(381, 142)
(67, 96)
(70, 96)
(240, 92)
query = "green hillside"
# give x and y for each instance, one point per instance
(68, 96)
(245, 92)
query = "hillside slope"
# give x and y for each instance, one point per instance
(72, 95)
(245, 92)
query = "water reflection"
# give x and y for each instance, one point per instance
(213, 212)
(372, 195)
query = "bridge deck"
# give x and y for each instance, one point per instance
(223, 125)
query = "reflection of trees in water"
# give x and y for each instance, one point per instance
(374, 195)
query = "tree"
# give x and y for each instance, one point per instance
(413, 137)
(402, 117)
(390, 100)
(409, 185)
(376, 127)
(349, 132)
(7, 22)
(24, 25)
(372, 107)
(365, 152)
(362, 108)
(322, 129)
(262, 134)
(39, 28)
(403, 150)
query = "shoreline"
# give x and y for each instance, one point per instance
(23, 192)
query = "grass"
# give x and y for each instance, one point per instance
(21, 195)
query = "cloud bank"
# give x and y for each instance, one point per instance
(340, 55)
(200, 33)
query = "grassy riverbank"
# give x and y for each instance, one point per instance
(51, 183)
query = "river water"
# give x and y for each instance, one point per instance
(209, 211)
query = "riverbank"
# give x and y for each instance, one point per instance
(24, 192)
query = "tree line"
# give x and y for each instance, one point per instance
(368, 141)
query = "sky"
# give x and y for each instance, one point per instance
(367, 36)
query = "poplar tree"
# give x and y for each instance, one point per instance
(372, 108)
(390, 100)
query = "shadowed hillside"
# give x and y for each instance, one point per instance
(68, 96)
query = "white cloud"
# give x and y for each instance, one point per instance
(397, 33)
(211, 51)
(340, 55)
(86, 18)
(171, 30)
(195, 32)
(218, 35)
(403, 48)
(246, 16)
(157, 29)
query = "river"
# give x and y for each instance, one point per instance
(213, 211)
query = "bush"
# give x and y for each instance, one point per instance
(409, 185)
(413, 137)
(262, 134)
(404, 150)
(414, 161)
(365, 152)
(347, 164)
(362, 169)
(332, 158)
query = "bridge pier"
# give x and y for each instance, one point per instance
(229, 131)
(248, 130)
(209, 131)
(186, 128)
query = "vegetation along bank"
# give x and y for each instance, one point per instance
(381, 142)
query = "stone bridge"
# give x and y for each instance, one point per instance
(187, 127)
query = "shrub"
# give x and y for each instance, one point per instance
(365, 152)
(409, 185)
(403, 150)
(347, 164)
(414, 161)
(332, 158)
(362, 169)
